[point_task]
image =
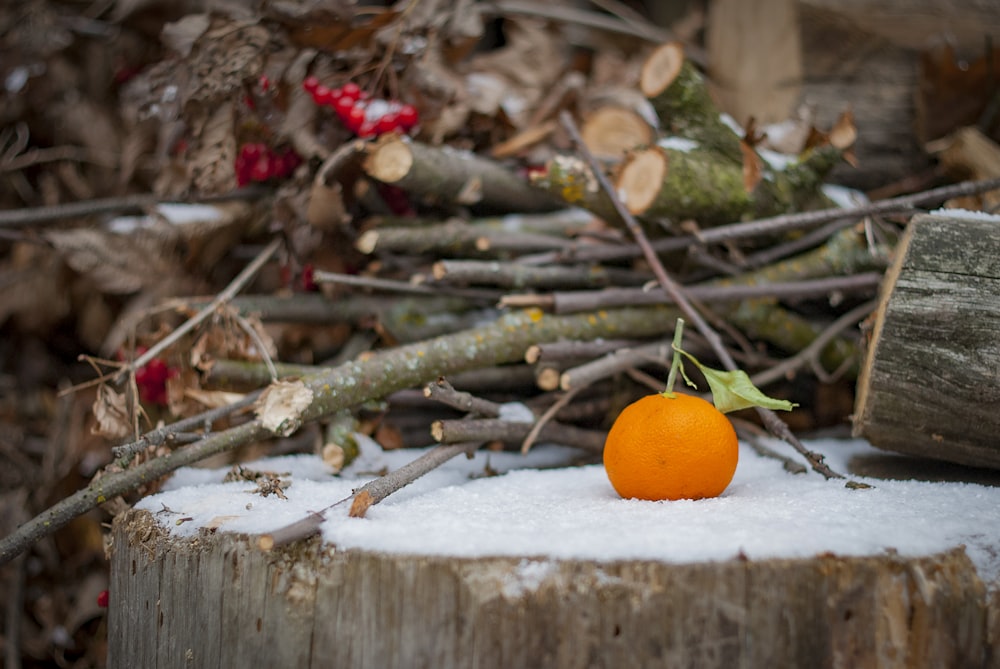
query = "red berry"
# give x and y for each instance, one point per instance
(251, 152)
(351, 90)
(151, 380)
(156, 370)
(343, 106)
(264, 82)
(387, 123)
(310, 83)
(286, 163)
(308, 278)
(355, 119)
(366, 129)
(322, 95)
(263, 169)
(102, 599)
(407, 116)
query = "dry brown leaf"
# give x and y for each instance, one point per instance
(181, 35)
(225, 339)
(753, 167)
(326, 210)
(213, 152)
(844, 133)
(117, 264)
(112, 413)
(336, 30)
(362, 502)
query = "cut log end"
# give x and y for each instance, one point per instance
(611, 131)
(390, 160)
(547, 378)
(367, 242)
(661, 68)
(641, 178)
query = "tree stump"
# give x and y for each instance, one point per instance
(930, 385)
(218, 601)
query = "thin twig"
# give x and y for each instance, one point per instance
(170, 432)
(228, 293)
(394, 286)
(442, 391)
(544, 419)
(14, 218)
(567, 302)
(767, 226)
(588, 373)
(754, 435)
(810, 354)
(771, 420)
(496, 429)
(255, 337)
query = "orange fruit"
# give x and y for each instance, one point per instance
(671, 448)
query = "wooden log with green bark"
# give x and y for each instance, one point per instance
(452, 178)
(678, 93)
(662, 182)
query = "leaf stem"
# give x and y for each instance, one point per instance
(677, 362)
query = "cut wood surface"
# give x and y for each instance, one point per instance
(929, 385)
(611, 131)
(216, 601)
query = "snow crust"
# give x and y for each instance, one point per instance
(536, 506)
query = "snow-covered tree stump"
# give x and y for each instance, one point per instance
(930, 385)
(218, 601)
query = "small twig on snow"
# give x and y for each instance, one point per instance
(375, 490)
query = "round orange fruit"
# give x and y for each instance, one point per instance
(671, 448)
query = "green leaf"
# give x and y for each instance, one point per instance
(732, 391)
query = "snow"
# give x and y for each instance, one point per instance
(537, 506)
(967, 215)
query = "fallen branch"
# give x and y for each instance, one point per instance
(451, 177)
(456, 237)
(514, 275)
(494, 429)
(353, 383)
(679, 95)
(568, 302)
(126, 204)
(761, 226)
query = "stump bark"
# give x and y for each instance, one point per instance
(930, 384)
(217, 601)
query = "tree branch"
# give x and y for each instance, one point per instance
(355, 382)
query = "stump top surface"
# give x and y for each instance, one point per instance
(573, 513)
